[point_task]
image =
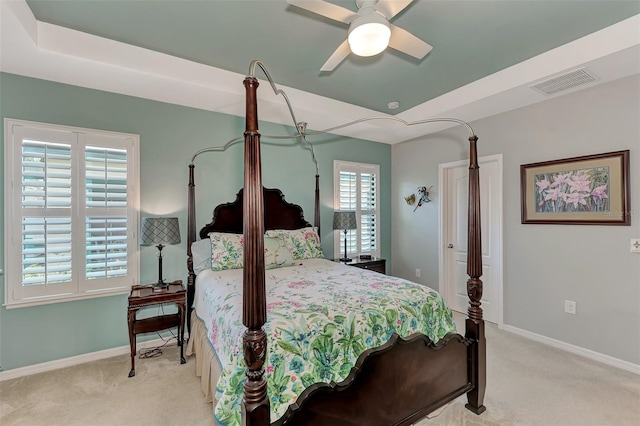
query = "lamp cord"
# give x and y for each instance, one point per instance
(156, 351)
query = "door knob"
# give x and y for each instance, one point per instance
(450, 246)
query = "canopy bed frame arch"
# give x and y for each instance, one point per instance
(417, 375)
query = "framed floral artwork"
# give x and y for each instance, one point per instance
(589, 190)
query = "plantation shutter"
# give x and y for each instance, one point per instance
(46, 227)
(368, 207)
(349, 202)
(106, 212)
(357, 190)
(71, 212)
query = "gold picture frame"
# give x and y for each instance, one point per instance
(588, 190)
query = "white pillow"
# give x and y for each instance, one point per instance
(201, 253)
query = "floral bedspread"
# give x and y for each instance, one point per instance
(321, 316)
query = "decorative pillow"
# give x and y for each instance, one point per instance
(226, 251)
(276, 253)
(303, 243)
(201, 254)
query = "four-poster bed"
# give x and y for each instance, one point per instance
(397, 382)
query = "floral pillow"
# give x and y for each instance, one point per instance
(303, 243)
(276, 253)
(227, 252)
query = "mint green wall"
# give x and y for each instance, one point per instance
(169, 136)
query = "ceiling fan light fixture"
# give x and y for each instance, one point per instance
(369, 35)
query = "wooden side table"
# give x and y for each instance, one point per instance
(143, 296)
(374, 264)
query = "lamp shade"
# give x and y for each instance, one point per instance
(344, 220)
(160, 230)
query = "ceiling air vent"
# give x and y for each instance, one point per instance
(566, 81)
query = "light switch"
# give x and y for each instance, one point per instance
(635, 245)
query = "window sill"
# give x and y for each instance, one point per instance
(38, 301)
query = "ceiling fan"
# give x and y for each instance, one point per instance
(369, 29)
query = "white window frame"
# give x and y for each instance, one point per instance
(358, 168)
(17, 295)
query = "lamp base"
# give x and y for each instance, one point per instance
(160, 285)
(345, 259)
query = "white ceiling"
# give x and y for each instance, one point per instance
(42, 50)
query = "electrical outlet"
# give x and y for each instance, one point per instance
(570, 307)
(635, 245)
(417, 273)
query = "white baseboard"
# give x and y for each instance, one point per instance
(587, 353)
(122, 350)
(75, 360)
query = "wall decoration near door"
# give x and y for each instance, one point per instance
(423, 197)
(588, 190)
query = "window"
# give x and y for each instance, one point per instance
(71, 200)
(356, 189)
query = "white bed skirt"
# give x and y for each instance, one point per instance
(208, 367)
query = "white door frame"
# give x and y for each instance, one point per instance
(443, 223)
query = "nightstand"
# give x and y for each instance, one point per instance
(143, 296)
(374, 264)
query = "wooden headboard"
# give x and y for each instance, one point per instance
(278, 214)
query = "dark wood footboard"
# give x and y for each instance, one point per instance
(395, 384)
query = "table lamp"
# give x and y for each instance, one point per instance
(160, 231)
(345, 221)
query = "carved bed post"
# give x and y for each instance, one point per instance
(474, 322)
(191, 237)
(256, 411)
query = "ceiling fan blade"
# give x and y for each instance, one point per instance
(390, 8)
(405, 42)
(328, 10)
(337, 57)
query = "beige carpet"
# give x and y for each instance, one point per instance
(528, 384)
